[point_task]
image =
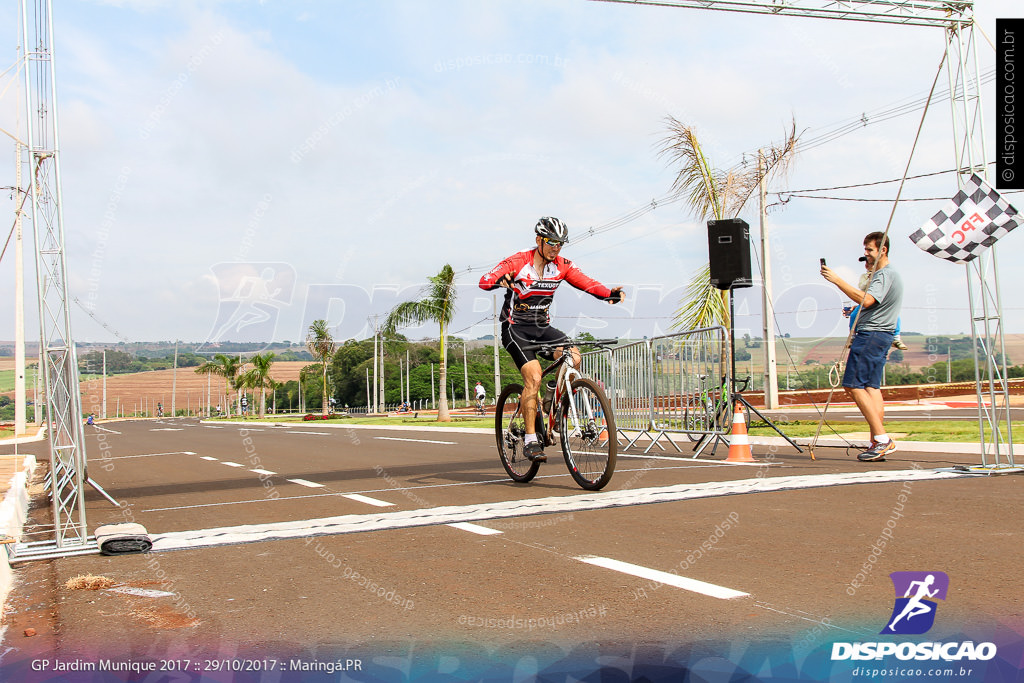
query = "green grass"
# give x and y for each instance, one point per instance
(6, 380)
(4, 433)
(965, 431)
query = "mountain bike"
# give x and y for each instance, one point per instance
(576, 409)
(709, 411)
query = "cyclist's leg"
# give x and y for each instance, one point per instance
(513, 338)
(531, 372)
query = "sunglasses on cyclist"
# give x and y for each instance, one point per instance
(552, 243)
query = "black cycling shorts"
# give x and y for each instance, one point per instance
(513, 337)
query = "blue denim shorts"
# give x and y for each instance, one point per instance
(867, 358)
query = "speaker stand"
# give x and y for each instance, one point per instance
(737, 396)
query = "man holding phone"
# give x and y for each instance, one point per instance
(872, 339)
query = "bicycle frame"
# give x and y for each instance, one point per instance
(567, 374)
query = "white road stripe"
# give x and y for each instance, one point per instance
(141, 592)
(306, 482)
(366, 499)
(694, 585)
(232, 464)
(168, 429)
(104, 429)
(263, 472)
(475, 528)
(503, 480)
(346, 524)
(146, 455)
(395, 438)
(297, 431)
(207, 457)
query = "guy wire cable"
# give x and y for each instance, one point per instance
(789, 354)
(885, 236)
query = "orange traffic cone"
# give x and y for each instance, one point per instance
(739, 442)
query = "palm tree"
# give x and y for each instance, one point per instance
(227, 367)
(259, 377)
(436, 304)
(716, 194)
(208, 368)
(321, 344)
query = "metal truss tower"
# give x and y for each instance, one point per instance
(982, 273)
(956, 18)
(57, 347)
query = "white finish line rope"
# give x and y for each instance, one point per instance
(347, 524)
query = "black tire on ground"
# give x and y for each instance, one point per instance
(588, 437)
(509, 432)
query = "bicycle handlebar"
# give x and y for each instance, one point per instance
(550, 346)
(745, 380)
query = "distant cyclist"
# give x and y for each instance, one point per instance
(531, 277)
(481, 394)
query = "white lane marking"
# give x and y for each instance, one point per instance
(168, 429)
(231, 464)
(475, 528)
(104, 429)
(683, 582)
(142, 592)
(366, 499)
(306, 482)
(345, 524)
(207, 457)
(297, 431)
(503, 480)
(146, 455)
(263, 472)
(395, 438)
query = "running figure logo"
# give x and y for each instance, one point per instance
(251, 297)
(914, 611)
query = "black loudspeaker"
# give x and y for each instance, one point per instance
(729, 253)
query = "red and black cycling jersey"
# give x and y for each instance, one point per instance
(527, 303)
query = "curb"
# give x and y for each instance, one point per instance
(13, 513)
(11, 441)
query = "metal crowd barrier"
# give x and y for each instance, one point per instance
(667, 384)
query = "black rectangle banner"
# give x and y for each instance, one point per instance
(1009, 109)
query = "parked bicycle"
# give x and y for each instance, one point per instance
(576, 410)
(711, 410)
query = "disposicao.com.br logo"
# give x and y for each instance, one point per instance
(913, 613)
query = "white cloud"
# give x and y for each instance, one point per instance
(372, 145)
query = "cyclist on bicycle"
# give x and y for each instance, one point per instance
(532, 276)
(480, 394)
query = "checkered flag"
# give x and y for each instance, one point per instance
(968, 224)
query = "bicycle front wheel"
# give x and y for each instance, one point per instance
(588, 437)
(510, 431)
(699, 421)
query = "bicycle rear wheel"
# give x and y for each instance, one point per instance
(510, 431)
(588, 436)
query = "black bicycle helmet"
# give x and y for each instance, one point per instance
(552, 228)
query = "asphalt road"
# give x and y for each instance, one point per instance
(676, 562)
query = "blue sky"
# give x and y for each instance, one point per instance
(337, 153)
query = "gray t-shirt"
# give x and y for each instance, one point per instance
(887, 289)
